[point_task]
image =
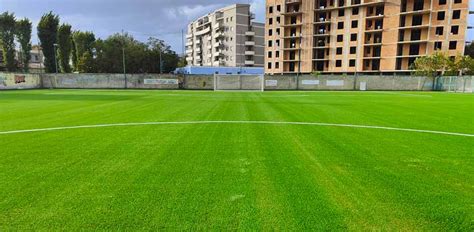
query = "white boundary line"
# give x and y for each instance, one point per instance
(237, 122)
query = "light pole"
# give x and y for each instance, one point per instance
(299, 56)
(55, 57)
(123, 60)
(161, 63)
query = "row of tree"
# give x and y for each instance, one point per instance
(11, 30)
(440, 64)
(66, 50)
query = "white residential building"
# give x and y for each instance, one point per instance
(226, 37)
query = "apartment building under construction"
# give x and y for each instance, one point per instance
(352, 36)
(227, 37)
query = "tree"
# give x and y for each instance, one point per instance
(470, 50)
(47, 33)
(431, 66)
(86, 63)
(23, 35)
(7, 37)
(74, 55)
(460, 65)
(83, 42)
(64, 47)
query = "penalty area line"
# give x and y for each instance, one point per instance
(237, 122)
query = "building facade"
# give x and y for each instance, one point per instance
(36, 64)
(368, 36)
(227, 37)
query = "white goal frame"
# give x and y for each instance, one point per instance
(240, 76)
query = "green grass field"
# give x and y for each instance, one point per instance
(236, 176)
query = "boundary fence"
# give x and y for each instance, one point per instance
(206, 82)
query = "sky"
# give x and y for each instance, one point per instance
(164, 19)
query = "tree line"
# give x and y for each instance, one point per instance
(66, 50)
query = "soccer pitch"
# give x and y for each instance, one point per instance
(184, 160)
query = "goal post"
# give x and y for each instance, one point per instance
(231, 82)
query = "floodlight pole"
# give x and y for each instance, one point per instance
(299, 56)
(123, 60)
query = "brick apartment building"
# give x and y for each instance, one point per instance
(360, 36)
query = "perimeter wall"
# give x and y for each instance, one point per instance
(206, 82)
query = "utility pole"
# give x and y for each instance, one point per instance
(123, 60)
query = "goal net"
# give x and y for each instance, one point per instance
(238, 82)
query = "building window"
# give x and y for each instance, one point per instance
(279, 8)
(338, 51)
(269, 65)
(457, 1)
(353, 37)
(438, 45)
(439, 30)
(338, 63)
(457, 14)
(340, 25)
(270, 10)
(442, 2)
(277, 43)
(355, 23)
(269, 54)
(270, 21)
(352, 63)
(277, 54)
(353, 50)
(341, 13)
(455, 30)
(355, 11)
(453, 45)
(340, 38)
(441, 15)
(278, 31)
(270, 43)
(277, 65)
(278, 20)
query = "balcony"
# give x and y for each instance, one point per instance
(189, 51)
(218, 54)
(249, 43)
(203, 32)
(291, 13)
(189, 58)
(413, 42)
(289, 2)
(249, 53)
(249, 33)
(249, 62)
(189, 44)
(219, 34)
(216, 45)
(298, 24)
(189, 36)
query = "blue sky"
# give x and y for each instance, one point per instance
(142, 18)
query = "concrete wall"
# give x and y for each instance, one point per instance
(19, 81)
(109, 81)
(206, 82)
(196, 82)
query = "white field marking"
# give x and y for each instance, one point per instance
(237, 122)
